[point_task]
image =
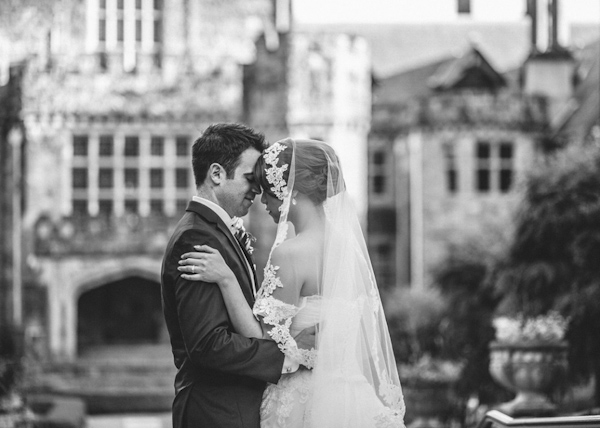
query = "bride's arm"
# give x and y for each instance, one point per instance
(207, 266)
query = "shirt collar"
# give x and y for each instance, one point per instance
(216, 208)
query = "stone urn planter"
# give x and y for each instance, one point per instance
(530, 369)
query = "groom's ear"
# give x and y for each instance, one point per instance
(216, 173)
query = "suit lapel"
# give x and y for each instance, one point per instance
(253, 264)
(212, 217)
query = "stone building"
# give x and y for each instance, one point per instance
(452, 139)
(113, 94)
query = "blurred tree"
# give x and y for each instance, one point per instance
(554, 259)
(22, 19)
(414, 317)
(464, 282)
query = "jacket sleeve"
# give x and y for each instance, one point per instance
(205, 326)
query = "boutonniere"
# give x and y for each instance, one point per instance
(245, 238)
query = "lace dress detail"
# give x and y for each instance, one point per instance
(279, 315)
(284, 405)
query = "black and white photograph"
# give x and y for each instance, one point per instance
(299, 213)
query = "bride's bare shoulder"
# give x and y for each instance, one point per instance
(294, 248)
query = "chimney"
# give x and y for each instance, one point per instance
(283, 16)
(550, 69)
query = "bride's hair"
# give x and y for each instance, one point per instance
(316, 163)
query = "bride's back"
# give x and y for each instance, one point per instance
(306, 255)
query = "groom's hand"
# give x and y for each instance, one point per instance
(306, 338)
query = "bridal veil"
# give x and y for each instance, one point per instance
(355, 378)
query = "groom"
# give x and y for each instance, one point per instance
(221, 375)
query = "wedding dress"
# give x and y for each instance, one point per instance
(351, 379)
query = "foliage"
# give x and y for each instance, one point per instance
(10, 357)
(18, 18)
(430, 370)
(464, 282)
(414, 318)
(543, 328)
(552, 262)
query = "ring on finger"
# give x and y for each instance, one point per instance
(193, 269)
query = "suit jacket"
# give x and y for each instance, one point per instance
(221, 375)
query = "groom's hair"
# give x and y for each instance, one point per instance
(223, 143)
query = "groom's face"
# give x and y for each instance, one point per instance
(238, 192)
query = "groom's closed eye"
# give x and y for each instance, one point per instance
(250, 177)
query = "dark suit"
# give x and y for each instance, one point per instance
(221, 375)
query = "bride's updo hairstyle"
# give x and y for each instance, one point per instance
(316, 163)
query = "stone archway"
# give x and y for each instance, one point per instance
(125, 311)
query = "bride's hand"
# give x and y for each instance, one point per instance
(205, 264)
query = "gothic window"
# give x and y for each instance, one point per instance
(125, 176)
(132, 146)
(495, 166)
(105, 178)
(105, 207)
(157, 60)
(106, 147)
(464, 7)
(80, 145)
(157, 30)
(103, 61)
(138, 30)
(131, 206)
(80, 178)
(484, 166)
(156, 178)
(80, 208)
(120, 29)
(130, 28)
(157, 146)
(131, 178)
(182, 145)
(506, 166)
(181, 178)
(451, 168)
(102, 30)
(156, 206)
(378, 172)
(383, 262)
(102, 21)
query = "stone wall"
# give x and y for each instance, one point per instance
(430, 217)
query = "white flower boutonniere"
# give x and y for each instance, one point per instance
(245, 238)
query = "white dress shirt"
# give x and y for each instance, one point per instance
(229, 222)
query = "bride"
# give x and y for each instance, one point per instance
(318, 274)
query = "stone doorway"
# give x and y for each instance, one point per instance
(123, 313)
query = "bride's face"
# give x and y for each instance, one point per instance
(272, 205)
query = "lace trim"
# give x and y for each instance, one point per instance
(291, 392)
(275, 173)
(389, 419)
(393, 397)
(279, 315)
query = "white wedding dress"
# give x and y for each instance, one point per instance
(290, 402)
(284, 404)
(351, 380)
